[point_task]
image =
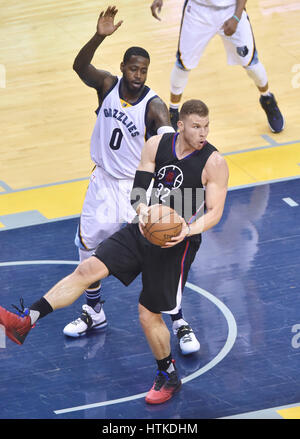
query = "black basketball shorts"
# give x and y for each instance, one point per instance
(164, 271)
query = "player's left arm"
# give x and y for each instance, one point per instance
(230, 25)
(158, 118)
(216, 185)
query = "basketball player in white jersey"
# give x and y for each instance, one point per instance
(201, 21)
(129, 113)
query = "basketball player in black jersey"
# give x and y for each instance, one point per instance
(110, 170)
(177, 162)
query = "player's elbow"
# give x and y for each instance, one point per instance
(76, 67)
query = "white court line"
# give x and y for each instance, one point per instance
(231, 337)
(290, 202)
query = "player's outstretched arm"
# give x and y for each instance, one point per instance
(82, 64)
(156, 8)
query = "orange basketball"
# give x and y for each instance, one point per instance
(163, 224)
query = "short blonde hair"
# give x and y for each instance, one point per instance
(193, 106)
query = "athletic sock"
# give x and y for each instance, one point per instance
(174, 106)
(177, 316)
(166, 364)
(93, 298)
(39, 309)
(266, 93)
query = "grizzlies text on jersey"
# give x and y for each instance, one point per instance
(119, 133)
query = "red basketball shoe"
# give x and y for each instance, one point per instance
(164, 387)
(16, 327)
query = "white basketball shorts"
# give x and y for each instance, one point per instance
(201, 23)
(105, 209)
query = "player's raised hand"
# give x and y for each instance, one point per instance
(156, 8)
(106, 25)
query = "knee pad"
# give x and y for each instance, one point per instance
(179, 79)
(258, 74)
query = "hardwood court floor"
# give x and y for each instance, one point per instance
(47, 116)
(47, 113)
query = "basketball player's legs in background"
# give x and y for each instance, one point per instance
(241, 50)
(195, 33)
(199, 25)
(105, 210)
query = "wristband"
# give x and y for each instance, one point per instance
(237, 19)
(141, 183)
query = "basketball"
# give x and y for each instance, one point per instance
(163, 224)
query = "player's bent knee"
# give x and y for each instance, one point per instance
(91, 271)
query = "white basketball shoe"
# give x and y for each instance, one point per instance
(188, 342)
(88, 320)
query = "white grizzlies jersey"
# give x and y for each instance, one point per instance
(120, 133)
(216, 3)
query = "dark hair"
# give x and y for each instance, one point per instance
(135, 51)
(193, 106)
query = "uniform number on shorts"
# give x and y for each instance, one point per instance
(116, 139)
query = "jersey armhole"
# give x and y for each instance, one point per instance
(100, 101)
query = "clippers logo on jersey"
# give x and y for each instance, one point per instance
(171, 176)
(123, 118)
(170, 179)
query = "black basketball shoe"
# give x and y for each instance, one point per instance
(174, 117)
(275, 118)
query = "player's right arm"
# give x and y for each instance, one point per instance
(91, 76)
(156, 8)
(143, 177)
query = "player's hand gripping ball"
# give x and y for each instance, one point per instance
(163, 223)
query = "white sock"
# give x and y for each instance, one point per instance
(265, 93)
(34, 315)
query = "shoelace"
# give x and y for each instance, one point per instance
(86, 315)
(160, 379)
(23, 312)
(186, 338)
(273, 108)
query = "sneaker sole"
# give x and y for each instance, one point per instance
(80, 334)
(191, 351)
(162, 400)
(15, 338)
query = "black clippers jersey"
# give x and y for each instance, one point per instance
(177, 183)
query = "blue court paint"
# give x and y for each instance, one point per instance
(249, 262)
